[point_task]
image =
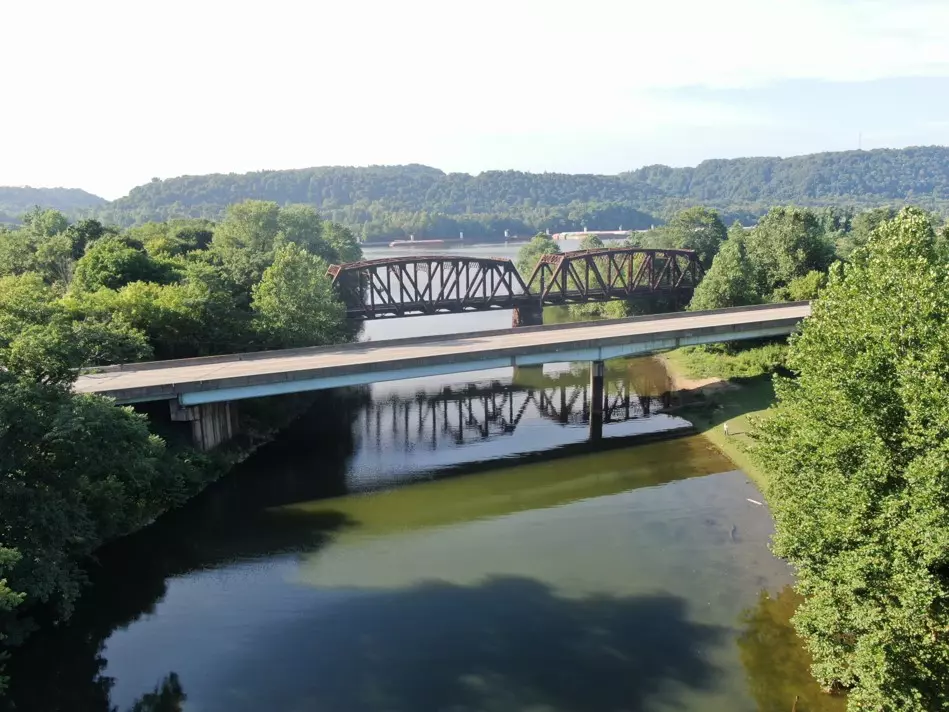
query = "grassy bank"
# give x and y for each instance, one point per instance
(716, 398)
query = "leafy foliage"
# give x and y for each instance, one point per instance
(858, 451)
(760, 265)
(294, 302)
(530, 254)
(387, 202)
(696, 228)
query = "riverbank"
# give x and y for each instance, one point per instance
(715, 401)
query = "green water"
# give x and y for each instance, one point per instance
(447, 545)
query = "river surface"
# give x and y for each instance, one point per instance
(452, 544)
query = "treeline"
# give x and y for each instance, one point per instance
(385, 202)
(785, 257)
(75, 470)
(856, 452)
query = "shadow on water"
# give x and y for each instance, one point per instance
(507, 644)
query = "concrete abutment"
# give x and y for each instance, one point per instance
(212, 424)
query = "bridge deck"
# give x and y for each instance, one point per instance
(223, 378)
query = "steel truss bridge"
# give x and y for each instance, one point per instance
(444, 284)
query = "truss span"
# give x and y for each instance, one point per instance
(444, 284)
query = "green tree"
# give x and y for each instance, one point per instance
(45, 223)
(76, 471)
(695, 228)
(529, 255)
(786, 244)
(54, 259)
(17, 252)
(730, 280)
(113, 262)
(9, 600)
(294, 302)
(343, 242)
(802, 289)
(591, 242)
(858, 450)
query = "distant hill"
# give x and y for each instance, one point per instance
(390, 200)
(16, 201)
(382, 202)
(907, 174)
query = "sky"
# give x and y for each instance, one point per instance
(107, 94)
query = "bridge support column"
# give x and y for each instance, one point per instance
(597, 374)
(212, 424)
(528, 315)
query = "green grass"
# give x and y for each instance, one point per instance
(729, 363)
(737, 404)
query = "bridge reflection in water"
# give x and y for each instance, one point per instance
(475, 412)
(418, 428)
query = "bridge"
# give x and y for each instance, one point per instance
(202, 389)
(444, 284)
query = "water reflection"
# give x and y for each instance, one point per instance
(531, 570)
(776, 663)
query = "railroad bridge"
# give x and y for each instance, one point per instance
(412, 285)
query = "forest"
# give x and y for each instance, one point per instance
(388, 202)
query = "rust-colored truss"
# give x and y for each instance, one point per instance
(608, 274)
(442, 284)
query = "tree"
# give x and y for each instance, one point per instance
(9, 600)
(343, 242)
(76, 471)
(113, 262)
(787, 243)
(529, 255)
(730, 280)
(45, 223)
(858, 450)
(802, 289)
(294, 302)
(695, 228)
(591, 242)
(244, 240)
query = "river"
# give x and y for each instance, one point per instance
(449, 544)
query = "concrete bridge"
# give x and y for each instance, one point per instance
(201, 390)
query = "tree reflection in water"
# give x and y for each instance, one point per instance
(167, 697)
(775, 660)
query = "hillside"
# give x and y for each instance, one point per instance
(388, 201)
(16, 201)
(383, 202)
(912, 174)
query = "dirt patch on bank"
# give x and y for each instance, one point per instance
(681, 382)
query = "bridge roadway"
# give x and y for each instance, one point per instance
(221, 379)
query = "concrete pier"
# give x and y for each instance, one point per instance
(212, 424)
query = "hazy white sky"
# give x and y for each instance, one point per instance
(106, 94)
